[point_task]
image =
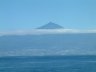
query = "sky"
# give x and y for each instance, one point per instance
(30, 14)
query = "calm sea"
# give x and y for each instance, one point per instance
(48, 64)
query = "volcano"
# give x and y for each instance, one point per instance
(51, 25)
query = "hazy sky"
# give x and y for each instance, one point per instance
(28, 14)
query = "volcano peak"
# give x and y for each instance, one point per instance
(51, 25)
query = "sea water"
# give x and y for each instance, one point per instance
(48, 64)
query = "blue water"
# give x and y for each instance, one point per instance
(48, 64)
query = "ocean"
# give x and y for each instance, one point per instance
(48, 64)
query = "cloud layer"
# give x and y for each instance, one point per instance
(45, 31)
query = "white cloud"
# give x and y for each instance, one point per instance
(45, 31)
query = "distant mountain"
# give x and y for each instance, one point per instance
(48, 44)
(51, 25)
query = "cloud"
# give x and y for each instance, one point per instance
(45, 31)
(46, 52)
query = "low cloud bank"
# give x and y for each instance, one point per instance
(45, 31)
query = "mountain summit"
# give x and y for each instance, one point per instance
(51, 25)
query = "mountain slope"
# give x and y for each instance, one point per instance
(51, 44)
